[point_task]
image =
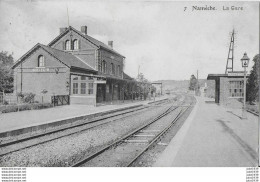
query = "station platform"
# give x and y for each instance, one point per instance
(213, 136)
(20, 122)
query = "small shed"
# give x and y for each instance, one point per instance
(228, 86)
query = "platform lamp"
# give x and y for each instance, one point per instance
(245, 62)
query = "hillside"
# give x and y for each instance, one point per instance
(183, 85)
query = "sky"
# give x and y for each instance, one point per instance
(167, 42)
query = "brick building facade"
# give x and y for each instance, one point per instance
(74, 64)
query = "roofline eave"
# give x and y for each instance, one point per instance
(79, 33)
(111, 51)
(23, 56)
(38, 45)
(83, 69)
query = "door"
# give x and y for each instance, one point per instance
(101, 93)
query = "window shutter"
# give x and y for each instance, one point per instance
(79, 44)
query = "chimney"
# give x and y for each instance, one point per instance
(84, 30)
(63, 30)
(110, 43)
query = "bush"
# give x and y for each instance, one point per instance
(26, 97)
(29, 98)
(23, 107)
(5, 102)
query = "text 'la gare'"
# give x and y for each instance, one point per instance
(233, 8)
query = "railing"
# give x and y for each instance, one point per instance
(59, 100)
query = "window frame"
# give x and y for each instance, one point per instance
(77, 44)
(83, 88)
(236, 89)
(41, 61)
(118, 70)
(104, 66)
(112, 69)
(91, 88)
(75, 88)
(67, 45)
(82, 85)
(100, 66)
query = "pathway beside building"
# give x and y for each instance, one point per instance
(16, 120)
(213, 136)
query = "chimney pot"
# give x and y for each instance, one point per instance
(84, 29)
(110, 43)
(63, 29)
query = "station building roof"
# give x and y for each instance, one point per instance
(234, 74)
(66, 58)
(87, 37)
(215, 76)
(127, 77)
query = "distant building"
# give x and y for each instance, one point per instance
(203, 90)
(73, 64)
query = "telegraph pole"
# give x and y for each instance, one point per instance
(198, 82)
(231, 53)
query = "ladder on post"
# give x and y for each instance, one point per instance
(230, 59)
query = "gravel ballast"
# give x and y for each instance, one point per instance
(67, 150)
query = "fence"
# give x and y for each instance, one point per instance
(10, 98)
(7, 98)
(59, 100)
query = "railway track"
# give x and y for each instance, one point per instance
(157, 138)
(139, 132)
(10, 146)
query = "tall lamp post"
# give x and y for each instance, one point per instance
(245, 62)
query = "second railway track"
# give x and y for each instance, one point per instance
(131, 146)
(14, 145)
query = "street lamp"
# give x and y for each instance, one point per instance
(245, 62)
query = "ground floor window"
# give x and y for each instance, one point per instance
(75, 88)
(236, 89)
(83, 88)
(82, 85)
(90, 88)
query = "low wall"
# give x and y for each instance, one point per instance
(86, 100)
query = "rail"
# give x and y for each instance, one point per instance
(85, 160)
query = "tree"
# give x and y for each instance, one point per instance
(6, 73)
(193, 82)
(140, 77)
(144, 85)
(252, 83)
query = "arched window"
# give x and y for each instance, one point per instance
(118, 70)
(112, 69)
(99, 66)
(67, 45)
(41, 61)
(76, 44)
(104, 66)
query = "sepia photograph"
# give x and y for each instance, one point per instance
(129, 84)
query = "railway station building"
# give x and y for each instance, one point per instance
(228, 87)
(76, 65)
